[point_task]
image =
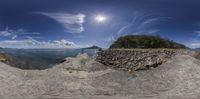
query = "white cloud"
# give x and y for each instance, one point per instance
(8, 33)
(32, 43)
(30, 33)
(14, 37)
(73, 23)
(13, 34)
(32, 37)
(198, 32)
(193, 44)
(141, 24)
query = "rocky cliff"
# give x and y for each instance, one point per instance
(138, 59)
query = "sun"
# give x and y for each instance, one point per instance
(100, 18)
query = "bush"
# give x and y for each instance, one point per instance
(145, 41)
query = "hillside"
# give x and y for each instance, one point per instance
(93, 47)
(145, 41)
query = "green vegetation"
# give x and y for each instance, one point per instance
(145, 41)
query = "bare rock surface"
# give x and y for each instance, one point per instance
(83, 77)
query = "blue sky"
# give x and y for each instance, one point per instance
(72, 23)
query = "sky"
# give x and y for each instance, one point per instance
(83, 23)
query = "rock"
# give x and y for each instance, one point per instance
(82, 78)
(137, 58)
(62, 60)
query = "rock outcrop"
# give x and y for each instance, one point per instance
(137, 59)
(5, 58)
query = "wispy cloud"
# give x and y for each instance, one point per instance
(197, 32)
(73, 23)
(32, 37)
(141, 24)
(32, 43)
(13, 34)
(14, 37)
(30, 33)
(110, 39)
(8, 33)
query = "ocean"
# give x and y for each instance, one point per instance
(41, 58)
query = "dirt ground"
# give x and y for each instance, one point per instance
(83, 77)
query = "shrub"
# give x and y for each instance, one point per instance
(145, 41)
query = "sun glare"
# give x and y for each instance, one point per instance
(100, 18)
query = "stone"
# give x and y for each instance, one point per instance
(137, 58)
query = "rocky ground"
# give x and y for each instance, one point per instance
(138, 59)
(83, 77)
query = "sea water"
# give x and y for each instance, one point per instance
(42, 58)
